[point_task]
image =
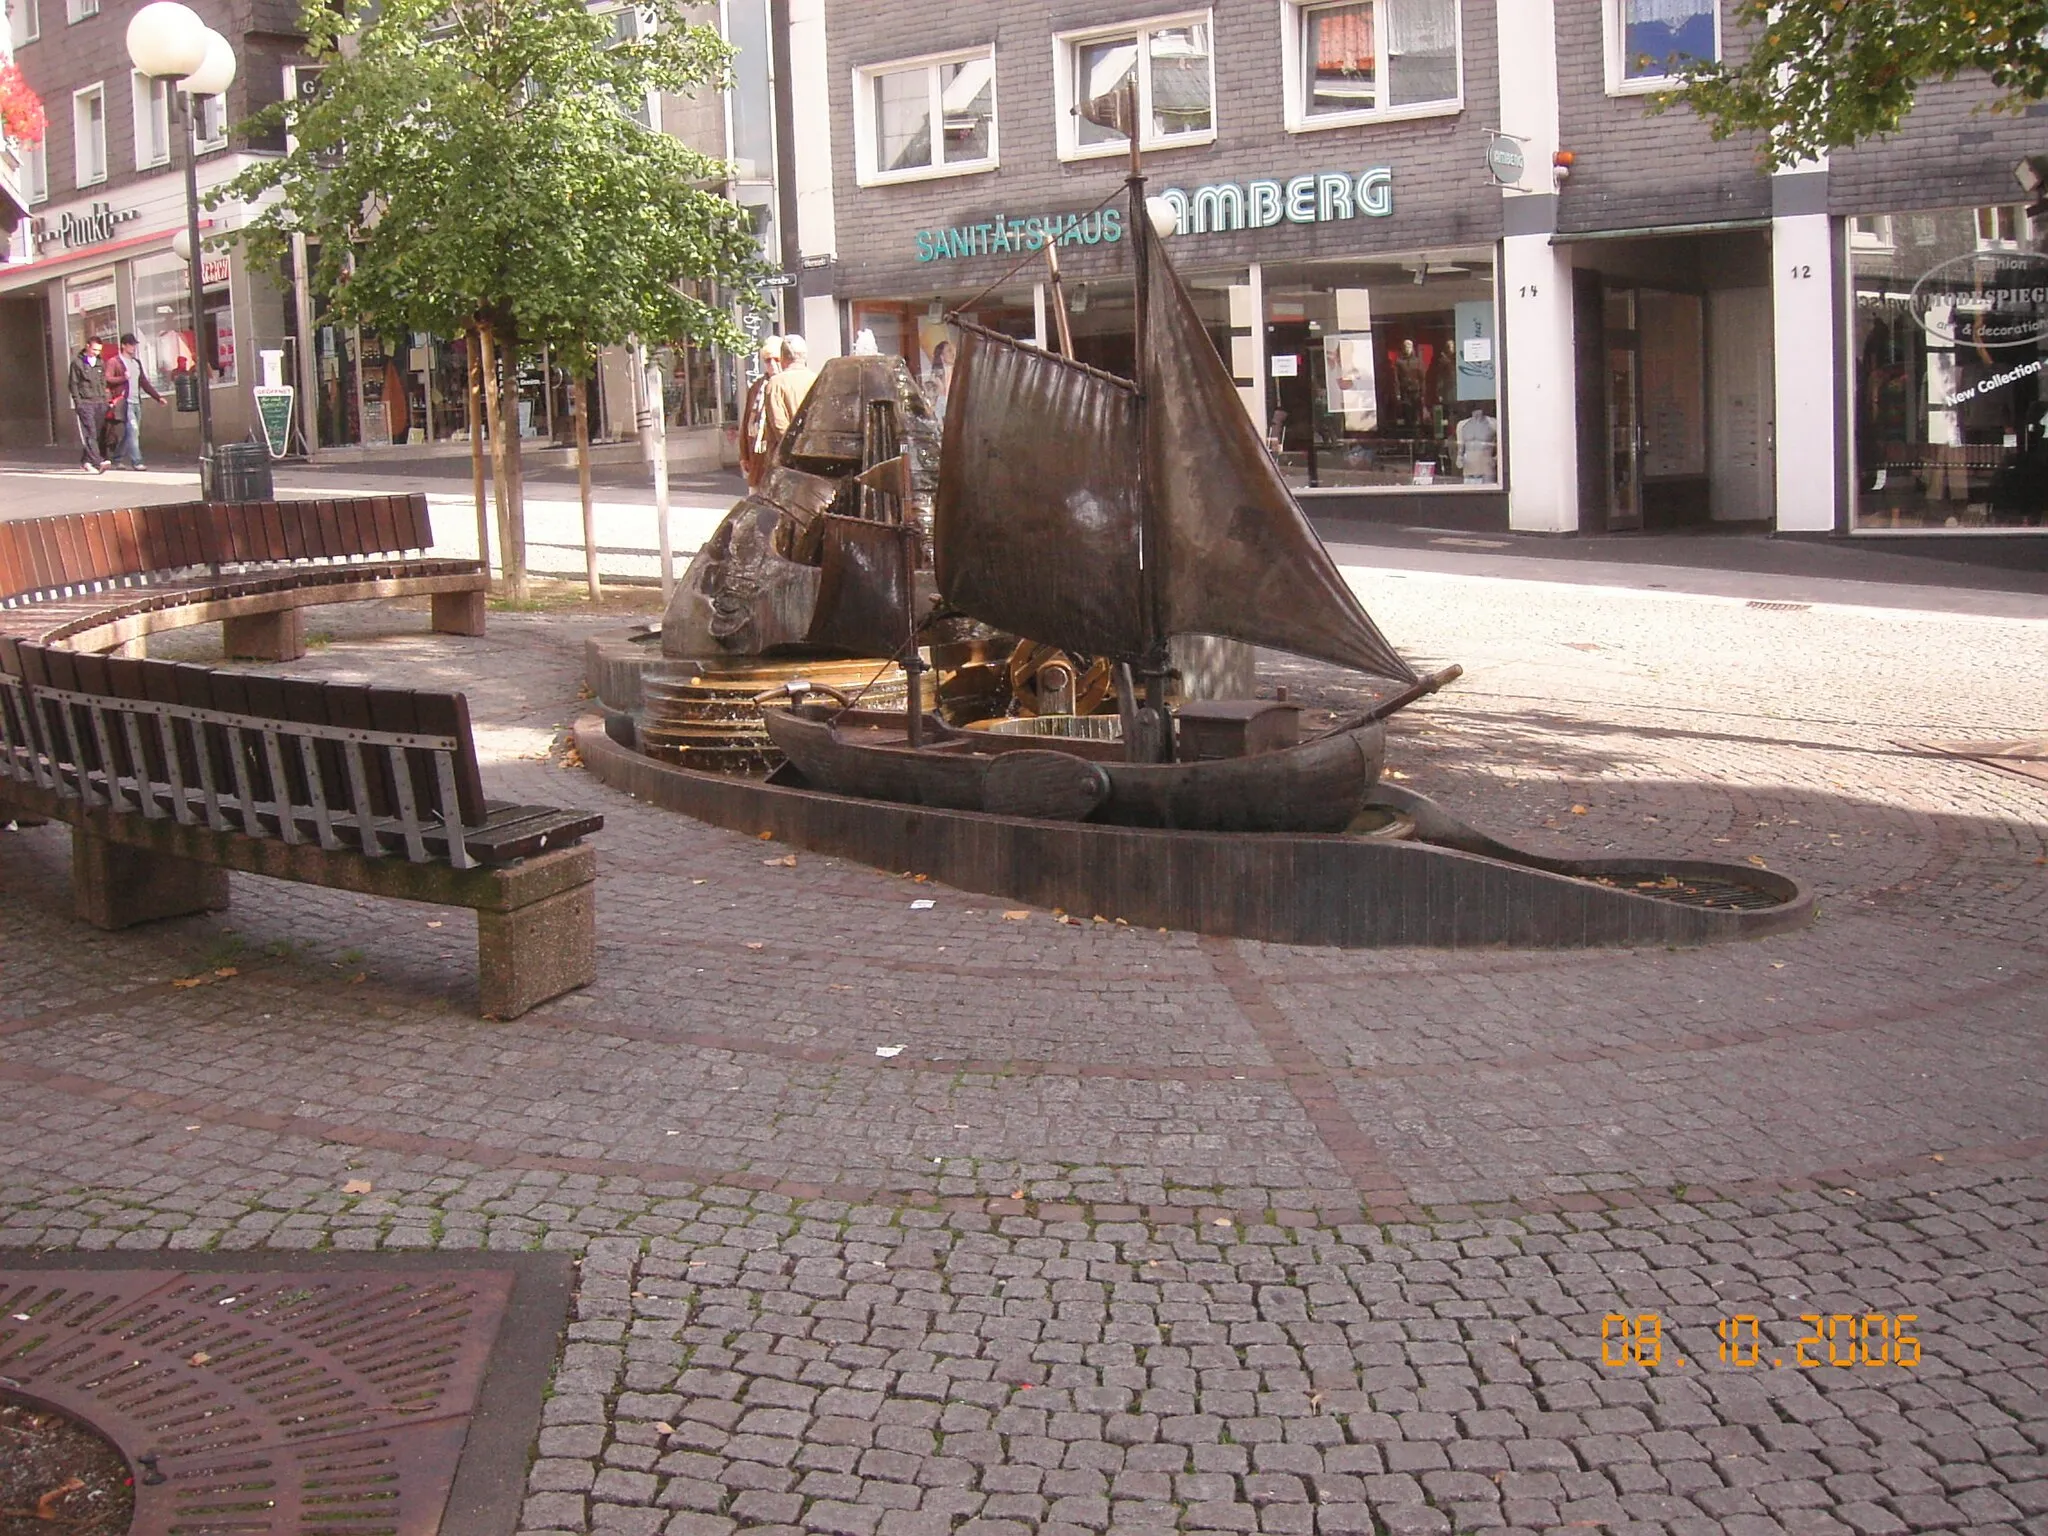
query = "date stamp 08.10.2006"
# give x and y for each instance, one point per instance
(1841, 1340)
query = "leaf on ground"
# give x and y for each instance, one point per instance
(1759, 863)
(767, 837)
(357, 1187)
(434, 923)
(1016, 917)
(788, 861)
(663, 1427)
(190, 981)
(228, 970)
(46, 1506)
(200, 1358)
(1580, 810)
(359, 976)
(753, 944)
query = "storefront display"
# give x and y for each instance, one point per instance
(1374, 367)
(1950, 343)
(89, 309)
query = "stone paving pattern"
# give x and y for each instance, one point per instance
(1142, 1231)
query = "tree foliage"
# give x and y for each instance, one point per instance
(466, 157)
(1823, 74)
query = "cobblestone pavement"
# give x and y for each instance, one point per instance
(899, 1220)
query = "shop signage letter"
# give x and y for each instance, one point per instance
(1301, 200)
(1263, 198)
(1376, 193)
(1216, 209)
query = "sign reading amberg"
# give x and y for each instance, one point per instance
(1985, 299)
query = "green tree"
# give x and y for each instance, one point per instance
(1823, 74)
(472, 167)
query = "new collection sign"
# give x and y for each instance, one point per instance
(1318, 197)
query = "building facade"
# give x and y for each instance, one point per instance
(1428, 321)
(104, 195)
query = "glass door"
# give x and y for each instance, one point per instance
(1624, 414)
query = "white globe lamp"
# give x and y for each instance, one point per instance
(216, 72)
(1162, 216)
(166, 39)
(181, 245)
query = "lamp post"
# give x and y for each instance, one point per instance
(168, 41)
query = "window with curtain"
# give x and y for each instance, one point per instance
(1362, 58)
(1658, 38)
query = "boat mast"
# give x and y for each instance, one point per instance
(1152, 666)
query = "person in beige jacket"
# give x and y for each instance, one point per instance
(785, 394)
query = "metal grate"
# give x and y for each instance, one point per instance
(1779, 607)
(1694, 890)
(256, 1403)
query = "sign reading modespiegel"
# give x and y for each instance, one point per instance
(1984, 299)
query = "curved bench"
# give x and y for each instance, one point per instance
(100, 581)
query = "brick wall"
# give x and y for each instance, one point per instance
(1636, 170)
(72, 55)
(1952, 152)
(1442, 194)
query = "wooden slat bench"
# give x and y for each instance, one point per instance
(97, 581)
(170, 775)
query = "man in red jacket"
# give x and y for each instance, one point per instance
(124, 371)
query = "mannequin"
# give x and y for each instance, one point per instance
(1479, 447)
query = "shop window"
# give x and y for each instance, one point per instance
(79, 10)
(25, 21)
(1370, 60)
(926, 117)
(89, 309)
(1175, 69)
(152, 98)
(1382, 373)
(1650, 41)
(1950, 358)
(89, 136)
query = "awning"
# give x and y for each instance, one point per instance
(1660, 231)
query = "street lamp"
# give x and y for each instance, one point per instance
(168, 41)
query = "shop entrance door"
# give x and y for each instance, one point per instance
(1624, 412)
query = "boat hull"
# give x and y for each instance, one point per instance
(1319, 786)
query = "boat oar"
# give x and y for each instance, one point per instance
(1401, 700)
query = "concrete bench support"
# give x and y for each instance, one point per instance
(116, 885)
(459, 613)
(275, 636)
(527, 956)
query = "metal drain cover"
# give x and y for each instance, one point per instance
(253, 1401)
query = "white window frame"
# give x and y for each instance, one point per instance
(1295, 70)
(25, 22)
(76, 11)
(1618, 83)
(638, 25)
(78, 138)
(151, 98)
(205, 110)
(1064, 46)
(868, 171)
(35, 173)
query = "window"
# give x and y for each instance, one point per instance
(630, 25)
(89, 135)
(1871, 232)
(1998, 228)
(35, 174)
(1171, 61)
(78, 10)
(1649, 41)
(926, 117)
(152, 122)
(25, 21)
(212, 124)
(1370, 59)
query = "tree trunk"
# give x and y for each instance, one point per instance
(581, 388)
(515, 544)
(511, 551)
(476, 445)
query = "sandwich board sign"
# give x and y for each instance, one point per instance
(274, 410)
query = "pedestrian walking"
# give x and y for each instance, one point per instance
(127, 381)
(785, 394)
(86, 383)
(754, 419)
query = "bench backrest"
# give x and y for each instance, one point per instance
(385, 770)
(47, 555)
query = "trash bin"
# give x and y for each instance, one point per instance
(185, 389)
(241, 472)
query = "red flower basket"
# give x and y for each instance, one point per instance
(21, 110)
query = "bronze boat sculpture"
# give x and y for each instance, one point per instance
(1102, 516)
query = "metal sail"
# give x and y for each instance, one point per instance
(1238, 558)
(1036, 525)
(864, 586)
